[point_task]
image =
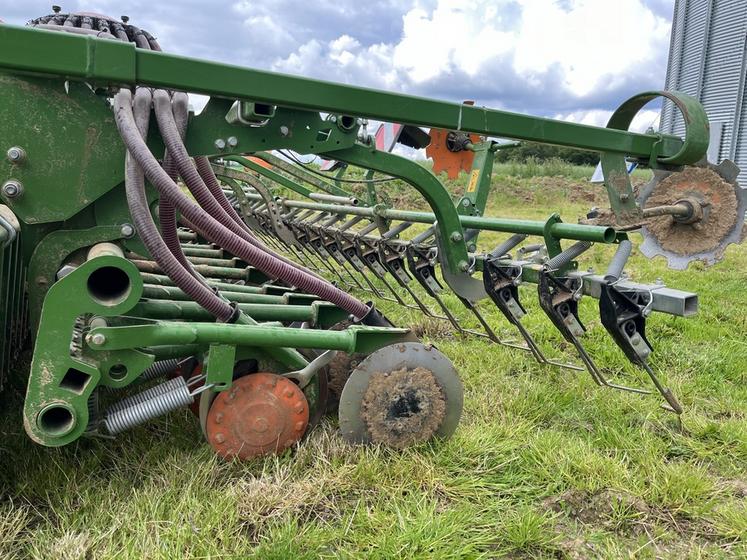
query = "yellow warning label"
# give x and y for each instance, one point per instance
(473, 180)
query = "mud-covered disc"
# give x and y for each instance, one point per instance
(722, 203)
(401, 395)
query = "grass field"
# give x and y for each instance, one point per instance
(543, 465)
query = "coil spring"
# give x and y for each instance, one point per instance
(564, 258)
(507, 245)
(174, 394)
(93, 411)
(76, 342)
(140, 397)
(159, 369)
(615, 269)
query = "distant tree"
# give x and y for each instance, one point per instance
(544, 152)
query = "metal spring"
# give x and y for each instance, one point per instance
(140, 397)
(177, 395)
(159, 369)
(564, 258)
(93, 411)
(506, 246)
(615, 269)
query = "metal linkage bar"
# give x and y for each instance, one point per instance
(579, 232)
(663, 300)
(114, 63)
(353, 339)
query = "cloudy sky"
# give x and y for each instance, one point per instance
(571, 59)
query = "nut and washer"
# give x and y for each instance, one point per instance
(98, 339)
(12, 188)
(127, 231)
(16, 155)
(220, 144)
(284, 130)
(233, 141)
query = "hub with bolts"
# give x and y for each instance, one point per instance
(12, 188)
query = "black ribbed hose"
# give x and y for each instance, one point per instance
(166, 210)
(202, 164)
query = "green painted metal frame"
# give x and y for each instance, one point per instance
(355, 339)
(106, 62)
(52, 388)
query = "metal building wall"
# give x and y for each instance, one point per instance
(707, 59)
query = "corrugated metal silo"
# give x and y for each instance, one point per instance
(708, 59)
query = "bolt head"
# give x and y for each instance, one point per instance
(463, 266)
(12, 188)
(233, 141)
(284, 130)
(16, 154)
(220, 144)
(624, 197)
(456, 237)
(98, 339)
(127, 231)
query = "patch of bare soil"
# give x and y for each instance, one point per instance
(572, 189)
(614, 510)
(629, 517)
(736, 487)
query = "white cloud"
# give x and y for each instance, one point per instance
(596, 44)
(529, 55)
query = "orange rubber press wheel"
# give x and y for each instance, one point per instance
(260, 414)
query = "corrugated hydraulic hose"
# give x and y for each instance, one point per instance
(214, 230)
(166, 210)
(212, 200)
(146, 227)
(205, 170)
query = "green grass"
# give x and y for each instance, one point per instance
(543, 465)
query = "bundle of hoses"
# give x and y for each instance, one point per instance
(212, 216)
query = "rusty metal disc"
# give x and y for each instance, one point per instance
(261, 413)
(445, 158)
